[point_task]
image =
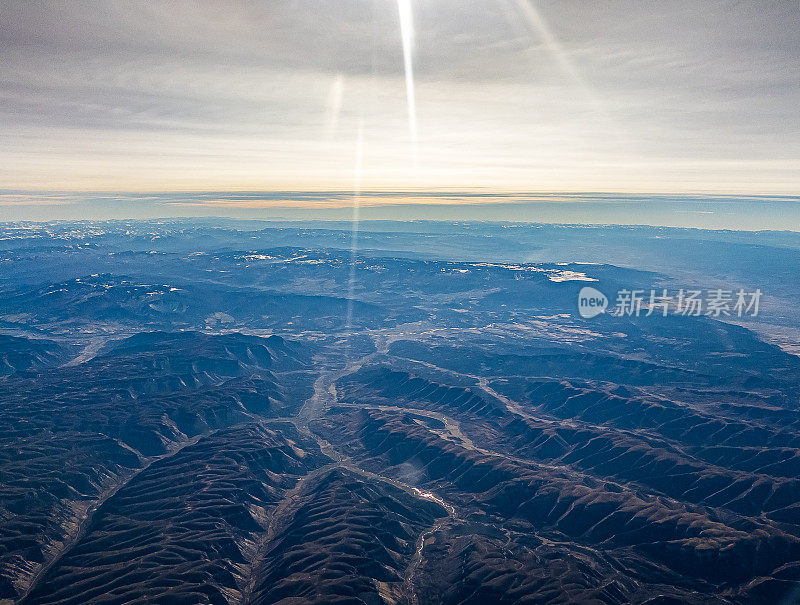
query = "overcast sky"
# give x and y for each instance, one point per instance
(509, 95)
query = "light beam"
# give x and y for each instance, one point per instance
(354, 226)
(407, 36)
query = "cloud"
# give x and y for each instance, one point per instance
(682, 96)
(36, 199)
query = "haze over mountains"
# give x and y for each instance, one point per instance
(207, 411)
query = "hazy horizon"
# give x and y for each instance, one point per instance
(742, 213)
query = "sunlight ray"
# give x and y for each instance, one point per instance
(334, 105)
(407, 35)
(355, 220)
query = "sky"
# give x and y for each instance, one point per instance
(227, 106)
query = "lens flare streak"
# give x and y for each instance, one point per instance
(407, 36)
(354, 223)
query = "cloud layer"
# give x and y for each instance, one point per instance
(510, 94)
